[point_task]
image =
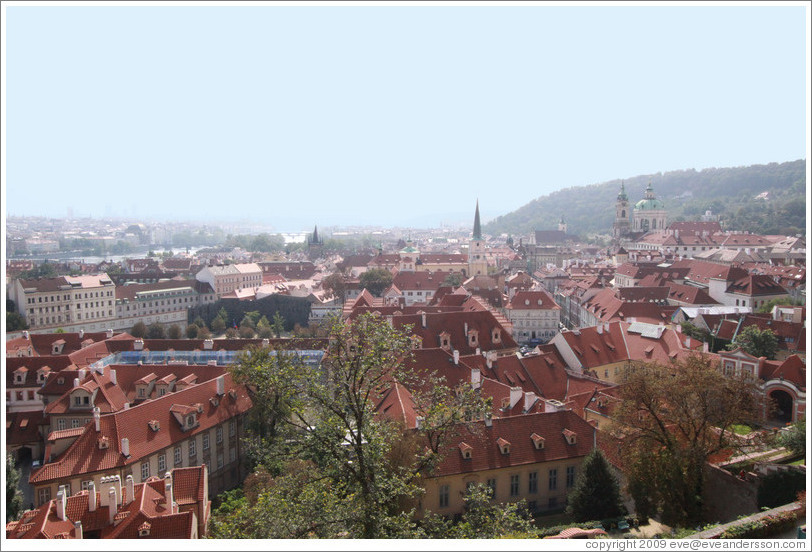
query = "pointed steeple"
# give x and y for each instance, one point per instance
(477, 226)
(316, 234)
(622, 195)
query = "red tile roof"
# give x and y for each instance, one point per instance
(532, 300)
(84, 456)
(517, 430)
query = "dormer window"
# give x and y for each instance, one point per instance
(473, 337)
(191, 420)
(154, 425)
(504, 446)
(19, 377)
(569, 436)
(465, 450)
(538, 441)
(103, 442)
(445, 340)
(496, 336)
(141, 392)
(144, 529)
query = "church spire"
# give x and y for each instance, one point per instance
(477, 226)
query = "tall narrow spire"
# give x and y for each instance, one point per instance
(477, 226)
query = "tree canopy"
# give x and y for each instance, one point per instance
(756, 342)
(596, 494)
(370, 465)
(376, 280)
(671, 418)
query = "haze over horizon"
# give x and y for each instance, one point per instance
(384, 115)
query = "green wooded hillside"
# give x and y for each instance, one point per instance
(728, 192)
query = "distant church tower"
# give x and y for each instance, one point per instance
(622, 214)
(477, 264)
(649, 213)
(314, 243)
(562, 226)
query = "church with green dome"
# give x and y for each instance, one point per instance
(648, 215)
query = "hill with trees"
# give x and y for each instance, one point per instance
(763, 199)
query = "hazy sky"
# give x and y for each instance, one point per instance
(390, 114)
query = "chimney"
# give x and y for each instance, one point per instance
(130, 489)
(465, 331)
(221, 385)
(109, 333)
(112, 502)
(488, 420)
(25, 334)
(599, 327)
(97, 418)
(478, 351)
(125, 446)
(208, 344)
(266, 342)
(61, 503)
(418, 422)
(476, 378)
(82, 373)
(456, 357)
(423, 316)
(170, 499)
(529, 401)
(705, 347)
(515, 395)
(113, 377)
(91, 496)
(76, 382)
(77, 530)
(138, 344)
(81, 333)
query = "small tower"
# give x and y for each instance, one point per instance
(562, 226)
(477, 263)
(314, 243)
(622, 214)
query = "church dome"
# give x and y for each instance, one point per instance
(649, 205)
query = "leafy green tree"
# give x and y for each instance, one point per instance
(278, 325)
(248, 322)
(794, 438)
(15, 321)
(672, 418)
(246, 332)
(328, 417)
(335, 283)
(453, 279)
(14, 497)
(203, 333)
(156, 331)
(139, 329)
(218, 325)
(199, 322)
(376, 280)
(756, 342)
(483, 519)
(174, 332)
(596, 494)
(232, 333)
(695, 332)
(767, 307)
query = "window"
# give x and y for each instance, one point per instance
(60, 424)
(570, 477)
(219, 434)
(178, 456)
(533, 482)
(86, 484)
(192, 449)
(205, 441)
(514, 485)
(232, 454)
(144, 471)
(44, 495)
(74, 423)
(219, 460)
(492, 487)
(553, 479)
(444, 496)
(232, 428)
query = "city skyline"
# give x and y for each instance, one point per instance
(383, 114)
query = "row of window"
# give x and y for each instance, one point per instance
(67, 297)
(515, 484)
